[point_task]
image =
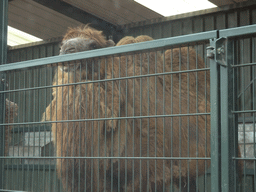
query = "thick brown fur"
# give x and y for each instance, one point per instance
(110, 120)
(11, 111)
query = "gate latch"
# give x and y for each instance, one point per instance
(218, 52)
(210, 52)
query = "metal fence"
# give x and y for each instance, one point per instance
(154, 116)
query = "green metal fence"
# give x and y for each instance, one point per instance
(163, 115)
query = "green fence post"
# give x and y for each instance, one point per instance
(228, 131)
(3, 60)
(215, 120)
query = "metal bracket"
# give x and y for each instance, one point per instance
(221, 47)
(218, 52)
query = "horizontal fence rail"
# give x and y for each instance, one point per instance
(143, 46)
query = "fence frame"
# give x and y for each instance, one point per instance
(223, 120)
(3, 60)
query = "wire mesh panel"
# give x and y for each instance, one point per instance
(128, 118)
(25, 137)
(239, 59)
(244, 111)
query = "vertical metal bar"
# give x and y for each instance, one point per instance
(73, 129)
(126, 121)
(171, 139)
(105, 124)
(140, 122)
(112, 133)
(119, 128)
(148, 98)
(253, 107)
(3, 60)
(8, 161)
(215, 125)
(98, 122)
(24, 85)
(235, 116)
(227, 121)
(206, 120)
(188, 118)
(243, 107)
(197, 131)
(133, 122)
(164, 84)
(156, 114)
(180, 120)
(80, 129)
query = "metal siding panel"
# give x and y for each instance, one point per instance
(29, 53)
(167, 29)
(176, 28)
(244, 18)
(157, 31)
(134, 31)
(221, 2)
(209, 23)
(23, 55)
(36, 53)
(220, 21)
(232, 19)
(10, 56)
(147, 30)
(56, 49)
(198, 25)
(16, 56)
(187, 26)
(49, 50)
(42, 52)
(253, 16)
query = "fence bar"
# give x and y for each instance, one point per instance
(117, 50)
(215, 125)
(3, 60)
(227, 120)
(238, 31)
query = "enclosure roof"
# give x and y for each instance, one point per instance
(47, 19)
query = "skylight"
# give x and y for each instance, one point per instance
(17, 37)
(175, 7)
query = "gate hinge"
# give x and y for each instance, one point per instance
(218, 51)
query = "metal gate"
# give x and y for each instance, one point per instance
(162, 115)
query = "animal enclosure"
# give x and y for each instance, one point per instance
(160, 115)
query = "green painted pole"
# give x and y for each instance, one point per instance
(3, 60)
(228, 120)
(215, 124)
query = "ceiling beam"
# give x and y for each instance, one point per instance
(109, 29)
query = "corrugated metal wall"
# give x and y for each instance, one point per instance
(31, 51)
(157, 29)
(175, 27)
